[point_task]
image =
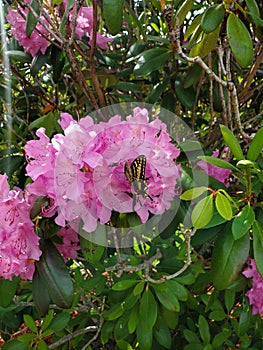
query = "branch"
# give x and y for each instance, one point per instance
(175, 40)
(73, 335)
(93, 73)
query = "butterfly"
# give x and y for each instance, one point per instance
(135, 174)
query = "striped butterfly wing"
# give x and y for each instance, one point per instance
(135, 174)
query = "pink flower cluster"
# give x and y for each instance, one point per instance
(217, 173)
(82, 171)
(18, 241)
(255, 294)
(70, 243)
(36, 42)
(38, 38)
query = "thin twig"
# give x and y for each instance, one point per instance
(73, 335)
(93, 73)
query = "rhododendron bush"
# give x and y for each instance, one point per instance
(131, 175)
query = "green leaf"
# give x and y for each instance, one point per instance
(244, 322)
(125, 284)
(42, 345)
(257, 231)
(228, 257)
(204, 329)
(15, 345)
(243, 221)
(256, 146)
(212, 17)
(7, 291)
(106, 331)
(239, 40)
(171, 318)
(114, 312)
(144, 337)
(220, 338)
(167, 298)
(138, 288)
(40, 293)
(231, 142)
(47, 320)
(253, 7)
(223, 206)
(203, 212)
(130, 301)
(91, 251)
(217, 315)
(184, 10)
(245, 164)
(148, 310)
(206, 43)
(29, 321)
(163, 335)
(60, 321)
(121, 328)
(218, 162)
(150, 61)
(191, 336)
(31, 19)
(193, 193)
(55, 275)
(113, 14)
(133, 319)
(178, 289)
(186, 96)
(10, 164)
(230, 299)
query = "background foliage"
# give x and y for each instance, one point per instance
(201, 60)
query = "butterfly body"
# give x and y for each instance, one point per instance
(135, 174)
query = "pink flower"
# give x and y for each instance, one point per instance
(255, 294)
(214, 171)
(18, 241)
(70, 243)
(84, 27)
(83, 171)
(36, 42)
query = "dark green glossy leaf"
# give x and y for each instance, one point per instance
(186, 96)
(163, 335)
(218, 162)
(232, 142)
(256, 146)
(228, 257)
(243, 221)
(144, 337)
(40, 293)
(204, 329)
(55, 275)
(212, 17)
(134, 319)
(7, 290)
(150, 61)
(32, 19)
(239, 40)
(148, 310)
(106, 331)
(125, 284)
(113, 14)
(167, 298)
